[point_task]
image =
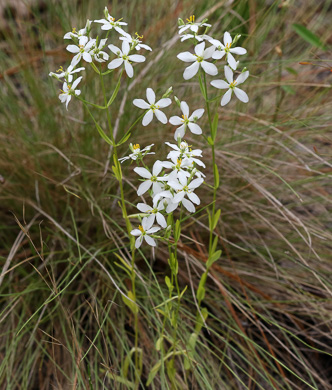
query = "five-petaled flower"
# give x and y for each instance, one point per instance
(151, 178)
(68, 90)
(82, 50)
(199, 60)
(226, 48)
(186, 121)
(154, 213)
(124, 57)
(192, 25)
(137, 152)
(143, 232)
(153, 107)
(231, 86)
(67, 74)
(135, 42)
(110, 23)
(183, 189)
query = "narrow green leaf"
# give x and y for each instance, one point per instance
(216, 219)
(213, 258)
(308, 36)
(216, 176)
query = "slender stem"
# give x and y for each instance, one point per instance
(213, 163)
(128, 225)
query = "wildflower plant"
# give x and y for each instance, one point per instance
(169, 189)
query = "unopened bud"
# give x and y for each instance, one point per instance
(54, 75)
(168, 92)
(180, 22)
(177, 101)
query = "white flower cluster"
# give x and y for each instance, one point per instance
(216, 51)
(88, 49)
(169, 183)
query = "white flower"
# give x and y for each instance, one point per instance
(227, 49)
(143, 231)
(135, 42)
(68, 74)
(185, 152)
(123, 57)
(231, 86)
(179, 168)
(81, 50)
(155, 213)
(183, 189)
(97, 51)
(199, 38)
(198, 59)
(68, 90)
(83, 31)
(152, 178)
(192, 26)
(186, 121)
(153, 107)
(137, 152)
(109, 23)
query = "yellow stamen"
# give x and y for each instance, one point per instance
(138, 36)
(232, 85)
(191, 19)
(136, 146)
(141, 228)
(60, 69)
(185, 118)
(179, 161)
(74, 30)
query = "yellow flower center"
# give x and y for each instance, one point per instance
(232, 85)
(136, 146)
(138, 36)
(141, 228)
(191, 19)
(60, 69)
(74, 30)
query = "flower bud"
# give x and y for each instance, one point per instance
(54, 75)
(177, 101)
(168, 92)
(180, 22)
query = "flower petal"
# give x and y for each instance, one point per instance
(147, 118)
(226, 98)
(241, 95)
(147, 223)
(199, 49)
(73, 49)
(191, 70)
(228, 74)
(186, 57)
(179, 197)
(129, 69)
(218, 54)
(162, 103)
(140, 103)
(153, 229)
(138, 242)
(143, 207)
(194, 128)
(161, 116)
(114, 49)
(136, 232)
(179, 132)
(194, 198)
(87, 57)
(195, 183)
(242, 77)
(149, 240)
(238, 50)
(220, 84)
(231, 61)
(143, 172)
(227, 38)
(161, 220)
(115, 63)
(150, 95)
(175, 120)
(136, 58)
(157, 167)
(197, 114)
(209, 68)
(184, 108)
(188, 205)
(144, 187)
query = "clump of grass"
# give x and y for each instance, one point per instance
(63, 323)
